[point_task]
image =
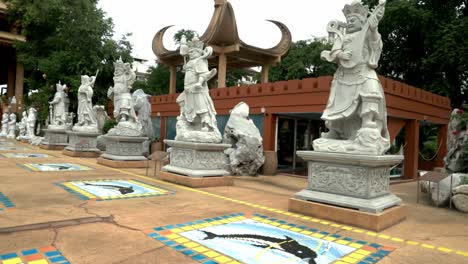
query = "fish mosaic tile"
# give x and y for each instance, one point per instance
(242, 238)
(25, 155)
(42, 255)
(49, 167)
(108, 189)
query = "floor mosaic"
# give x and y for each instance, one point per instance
(5, 203)
(108, 189)
(242, 238)
(54, 167)
(43, 255)
(25, 155)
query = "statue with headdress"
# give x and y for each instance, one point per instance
(356, 113)
(59, 108)
(86, 116)
(197, 120)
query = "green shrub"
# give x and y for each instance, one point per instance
(108, 125)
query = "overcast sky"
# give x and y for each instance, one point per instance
(143, 18)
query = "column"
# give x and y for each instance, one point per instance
(265, 72)
(442, 144)
(222, 65)
(411, 149)
(173, 79)
(162, 132)
(11, 79)
(269, 132)
(19, 84)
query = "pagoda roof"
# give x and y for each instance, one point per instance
(223, 36)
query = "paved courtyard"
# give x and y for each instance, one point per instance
(57, 209)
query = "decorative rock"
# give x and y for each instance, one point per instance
(356, 113)
(460, 198)
(12, 126)
(457, 140)
(444, 188)
(143, 108)
(101, 116)
(246, 154)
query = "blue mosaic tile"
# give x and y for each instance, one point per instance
(52, 253)
(8, 256)
(161, 238)
(169, 243)
(57, 259)
(179, 248)
(188, 252)
(361, 242)
(199, 257)
(210, 262)
(158, 228)
(29, 252)
(377, 246)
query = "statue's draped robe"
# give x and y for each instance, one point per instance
(123, 102)
(351, 84)
(60, 116)
(85, 106)
(196, 101)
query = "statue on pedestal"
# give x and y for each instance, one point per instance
(197, 120)
(4, 132)
(58, 108)
(86, 116)
(124, 112)
(31, 123)
(356, 113)
(12, 126)
(22, 126)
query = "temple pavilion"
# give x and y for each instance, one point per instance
(229, 51)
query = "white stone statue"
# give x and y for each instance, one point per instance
(31, 123)
(124, 112)
(356, 113)
(143, 108)
(246, 154)
(86, 116)
(58, 108)
(12, 126)
(5, 120)
(101, 116)
(22, 126)
(197, 120)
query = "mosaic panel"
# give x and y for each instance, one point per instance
(43, 255)
(101, 190)
(5, 203)
(25, 155)
(241, 238)
(54, 167)
(12, 148)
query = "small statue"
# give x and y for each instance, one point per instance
(22, 126)
(31, 123)
(197, 120)
(86, 117)
(356, 113)
(4, 132)
(58, 108)
(143, 107)
(12, 126)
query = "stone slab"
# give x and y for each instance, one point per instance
(374, 222)
(195, 173)
(122, 163)
(55, 137)
(52, 147)
(351, 159)
(196, 182)
(81, 154)
(82, 141)
(373, 205)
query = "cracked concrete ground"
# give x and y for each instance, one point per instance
(115, 231)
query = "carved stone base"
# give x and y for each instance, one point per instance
(55, 137)
(52, 147)
(81, 154)
(349, 180)
(196, 159)
(121, 148)
(82, 142)
(122, 163)
(374, 222)
(196, 182)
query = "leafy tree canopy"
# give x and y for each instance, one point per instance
(65, 39)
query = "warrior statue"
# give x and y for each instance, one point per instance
(124, 112)
(58, 108)
(86, 117)
(356, 113)
(4, 132)
(12, 126)
(197, 120)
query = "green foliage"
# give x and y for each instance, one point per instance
(108, 125)
(65, 39)
(303, 61)
(188, 33)
(425, 45)
(428, 144)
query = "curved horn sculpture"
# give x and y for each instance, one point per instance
(158, 45)
(286, 39)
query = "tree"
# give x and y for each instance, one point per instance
(65, 39)
(303, 61)
(425, 45)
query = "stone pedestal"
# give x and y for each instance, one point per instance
(82, 144)
(123, 152)
(54, 139)
(196, 159)
(344, 182)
